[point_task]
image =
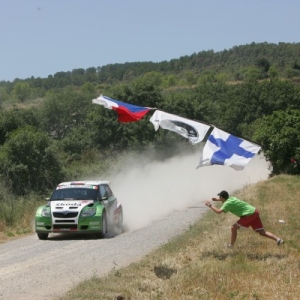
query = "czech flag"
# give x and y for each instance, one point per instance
(126, 112)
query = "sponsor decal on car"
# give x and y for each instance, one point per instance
(77, 186)
(73, 203)
(94, 223)
(64, 229)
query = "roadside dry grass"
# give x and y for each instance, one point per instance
(17, 215)
(197, 265)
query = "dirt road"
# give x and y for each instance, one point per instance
(33, 269)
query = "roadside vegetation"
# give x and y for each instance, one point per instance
(197, 265)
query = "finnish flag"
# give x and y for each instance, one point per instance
(222, 148)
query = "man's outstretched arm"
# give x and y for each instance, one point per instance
(215, 209)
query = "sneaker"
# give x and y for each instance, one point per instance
(229, 246)
(280, 241)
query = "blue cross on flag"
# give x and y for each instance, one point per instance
(226, 149)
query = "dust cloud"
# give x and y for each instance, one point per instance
(149, 191)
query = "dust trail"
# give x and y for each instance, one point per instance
(153, 190)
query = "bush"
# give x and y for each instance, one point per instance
(29, 162)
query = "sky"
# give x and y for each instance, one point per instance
(42, 37)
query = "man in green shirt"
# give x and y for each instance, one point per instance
(248, 214)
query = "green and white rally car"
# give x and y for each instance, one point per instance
(80, 206)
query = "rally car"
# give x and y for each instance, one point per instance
(80, 206)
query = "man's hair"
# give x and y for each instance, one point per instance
(224, 194)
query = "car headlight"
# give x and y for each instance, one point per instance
(46, 212)
(89, 212)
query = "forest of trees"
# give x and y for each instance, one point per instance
(49, 126)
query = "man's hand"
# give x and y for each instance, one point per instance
(207, 203)
(213, 208)
(215, 199)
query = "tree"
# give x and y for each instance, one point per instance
(4, 95)
(273, 73)
(61, 79)
(279, 135)
(30, 162)
(91, 75)
(63, 111)
(154, 77)
(15, 118)
(22, 91)
(264, 64)
(76, 142)
(141, 92)
(88, 87)
(78, 77)
(171, 80)
(190, 77)
(251, 74)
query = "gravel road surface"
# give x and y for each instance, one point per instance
(33, 269)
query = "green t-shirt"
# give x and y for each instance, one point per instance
(237, 207)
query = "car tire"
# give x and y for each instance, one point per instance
(103, 232)
(42, 235)
(118, 229)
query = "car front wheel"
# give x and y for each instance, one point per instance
(103, 232)
(42, 236)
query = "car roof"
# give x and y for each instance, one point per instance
(84, 182)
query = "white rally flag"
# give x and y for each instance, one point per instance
(222, 148)
(192, 130)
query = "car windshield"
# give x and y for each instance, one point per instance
(74, 194)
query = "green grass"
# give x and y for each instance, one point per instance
(197, 265)
(17, 213)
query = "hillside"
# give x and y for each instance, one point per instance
(234, 62)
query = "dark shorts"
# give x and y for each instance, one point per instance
(253, 220)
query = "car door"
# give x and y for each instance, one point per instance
(108, 199)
